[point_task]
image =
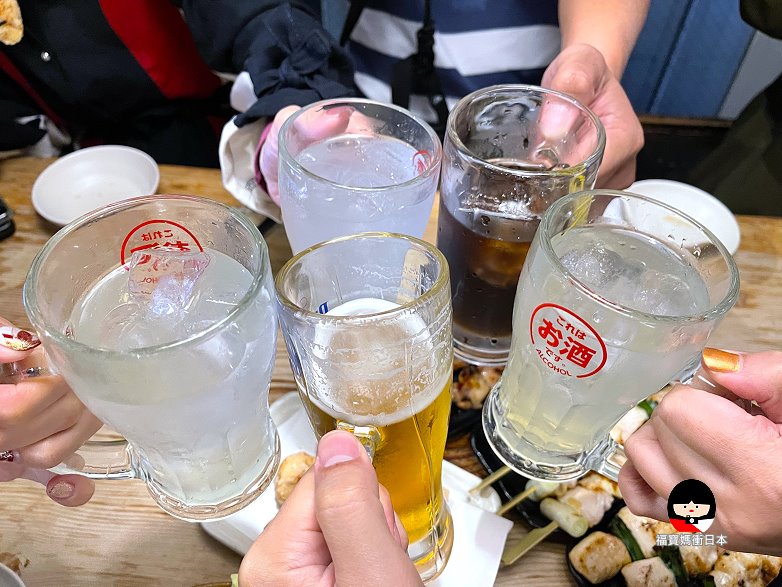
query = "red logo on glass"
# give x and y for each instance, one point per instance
(159, 234)
(565, 342)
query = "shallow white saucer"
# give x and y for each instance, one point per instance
(694, 202)
(8, 578)
(91, 178)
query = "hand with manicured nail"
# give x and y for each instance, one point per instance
(337, 528)
(41, 422)
(711, 437)
(581, 71)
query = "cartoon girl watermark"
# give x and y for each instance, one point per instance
(691, 506)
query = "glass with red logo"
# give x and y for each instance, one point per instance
(158, 312)
(617, 298)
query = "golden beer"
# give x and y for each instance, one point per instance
(408, 455)
(367, 324)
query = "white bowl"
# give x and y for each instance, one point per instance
(8, 578)
(91, 178)
(694, 202)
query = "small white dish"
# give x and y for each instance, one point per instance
(8, 578)
(694, 202)
(91, 178)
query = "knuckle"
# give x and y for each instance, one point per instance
(575, 81)
(12, 411)
(44, 454)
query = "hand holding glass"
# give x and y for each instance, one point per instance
(158, 312)
(367, 323)
(351, 165)
(617, 298)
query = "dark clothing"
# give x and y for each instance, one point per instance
(137, 73)
(745, 170)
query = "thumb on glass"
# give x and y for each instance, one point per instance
(352, 518)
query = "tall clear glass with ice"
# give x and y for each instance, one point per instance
(158, 312)
(352, 165)
(617, 298)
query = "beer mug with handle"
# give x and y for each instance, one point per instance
(367, 323)
(617, 298)
(158, 312)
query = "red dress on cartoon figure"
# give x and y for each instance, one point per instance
(691, 506)
(691, 524)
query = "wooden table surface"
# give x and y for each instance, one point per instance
(121, 538)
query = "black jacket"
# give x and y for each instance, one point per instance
(137, 73)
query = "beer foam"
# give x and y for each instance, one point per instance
(421, 401)
(411, 325)
(363, 306)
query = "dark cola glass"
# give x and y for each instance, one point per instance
(510, 151)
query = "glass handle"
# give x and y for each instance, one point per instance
(608, 460)
(111, 459)
(96, 459)
(368, 436)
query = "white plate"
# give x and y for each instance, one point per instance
(696, 203)
(91, 178)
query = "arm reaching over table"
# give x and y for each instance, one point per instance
(597, 38)
(729, 438)
(41, 423)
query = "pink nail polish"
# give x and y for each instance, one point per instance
(18, 339)
(60, 490)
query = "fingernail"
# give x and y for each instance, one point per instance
(18, 339)
(337, 447)
(60, 490)
(721, 361)
(338, 110)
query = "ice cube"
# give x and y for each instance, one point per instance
(516, 209)
(154, 303)
(664, 294)
(161, 281)
(594, 265)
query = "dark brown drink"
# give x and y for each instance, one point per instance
(485, 253)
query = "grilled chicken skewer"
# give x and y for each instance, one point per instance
(601, 556)
(573, 506)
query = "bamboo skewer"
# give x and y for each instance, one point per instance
(515, 551)
(498, 474)
(515, 501)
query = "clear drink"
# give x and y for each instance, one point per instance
(608, 310)
(378, 174)
(209, 433)
(362, 162)
(552, 421)
(159, 313)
